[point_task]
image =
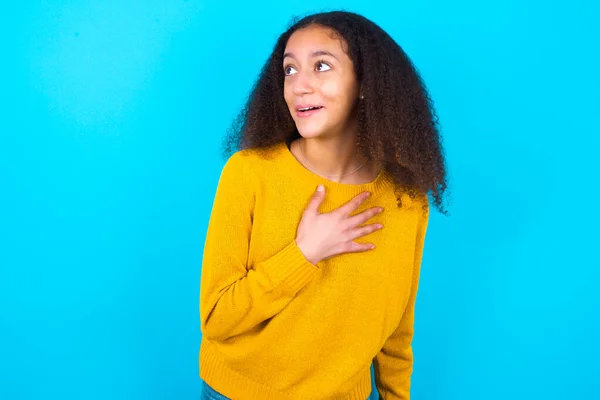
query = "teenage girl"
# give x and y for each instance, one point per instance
(315, 240)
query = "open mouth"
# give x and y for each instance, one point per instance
(307, 111)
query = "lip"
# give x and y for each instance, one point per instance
(305, 114)
(299, 106)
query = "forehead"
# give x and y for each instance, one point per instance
(306, 40)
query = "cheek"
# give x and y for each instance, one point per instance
(333, 94)
(330, 89)
(337, 96)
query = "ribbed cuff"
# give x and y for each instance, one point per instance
(289, 268)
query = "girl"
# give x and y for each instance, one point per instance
(314, 244)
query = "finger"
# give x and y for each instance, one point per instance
(353, 204)
(364, 230)
(363, 217)
(360, 247)
(316, 199)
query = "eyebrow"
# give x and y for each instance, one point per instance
(314, 54)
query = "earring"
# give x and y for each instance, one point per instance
(362, 96)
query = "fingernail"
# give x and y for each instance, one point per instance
(367, 194)
(320, 188)
(379, 209)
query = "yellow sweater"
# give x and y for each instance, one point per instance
(275, 326)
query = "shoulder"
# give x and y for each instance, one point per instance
(249, 166)
(421, 206)
(240, 161)
(417, 208)
(254, 160)
(415, 202)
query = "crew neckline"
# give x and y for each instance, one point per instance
(382, 182)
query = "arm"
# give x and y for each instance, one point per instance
(394, 363)
(234, 298)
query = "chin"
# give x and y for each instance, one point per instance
(311, 133)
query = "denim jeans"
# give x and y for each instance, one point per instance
(209, 393)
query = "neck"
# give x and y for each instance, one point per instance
(334, 157)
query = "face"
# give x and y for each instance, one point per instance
(318, 73)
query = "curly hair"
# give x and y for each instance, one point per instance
(397, 124)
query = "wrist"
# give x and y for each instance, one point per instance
(308, 255)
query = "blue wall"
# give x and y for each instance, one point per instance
(110, 124)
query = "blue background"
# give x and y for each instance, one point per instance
(111, 118)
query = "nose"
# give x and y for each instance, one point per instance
(303, 83)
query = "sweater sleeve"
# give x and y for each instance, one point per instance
(393, 364)
(234, 296)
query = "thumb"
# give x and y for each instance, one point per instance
(316, 199)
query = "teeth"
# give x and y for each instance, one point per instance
(308, 108)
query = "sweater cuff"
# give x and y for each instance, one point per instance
(290, 268)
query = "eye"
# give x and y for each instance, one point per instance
(318, 63)
(285, 69)
(321, 62)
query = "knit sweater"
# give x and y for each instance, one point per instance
(274, 325)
